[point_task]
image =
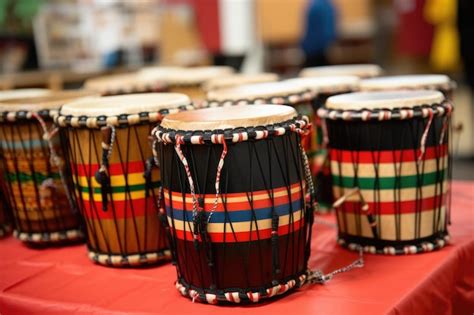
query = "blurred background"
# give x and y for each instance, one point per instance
(58, 44)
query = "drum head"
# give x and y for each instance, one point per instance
(124, 104)
(197, 75)
(384, 100)
(23, 93)
(436, 81)
(50, 101)
(329, 84)
(360, 70)
(239, 79)
(229, 117)
(255, 91)
(127, 82)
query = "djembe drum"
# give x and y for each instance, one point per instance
(239, 79)
(128, 83)
(438, 82)
(33, 170)
(389, 154)
(5, 207)
(190, 81)
(323, 88)
(113, 181)
(360, 70)
(235, 181)
(299, 97)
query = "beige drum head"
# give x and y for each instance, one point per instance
(384, 100)
(330, 84)
(22, 93)
(255, 91)
(239, 79)
(427, 81)
(359, 70)
(229, 117)
(197, 75)
(124, 104)
(52, 101)
(124, 83)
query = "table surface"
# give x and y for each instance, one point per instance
(63, 280)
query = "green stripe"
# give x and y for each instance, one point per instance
(410, 181)
(119, 189)
(24, 177)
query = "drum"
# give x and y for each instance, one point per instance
(114, 180)
(438, 82)
(22, 93)
(191, 81)
(391, 170)
(324, 87)
(34, 172)
(5, 207)
(239, 79)
(234, 186)
(359, 70)
(270, 93)
(128, 83)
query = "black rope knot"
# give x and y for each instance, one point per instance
(149, 164)
(103, 179)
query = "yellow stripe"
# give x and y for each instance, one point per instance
(386, 169)
(388, 224)
(117, 180)
(237, 226)
(387, 195)
(118, 196)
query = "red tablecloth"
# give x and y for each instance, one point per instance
(64, 281)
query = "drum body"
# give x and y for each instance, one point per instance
(5, 220)
(118, 196)
(41, 210)
(248, 237)
(399, 161)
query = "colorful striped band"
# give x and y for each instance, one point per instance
(243, 217)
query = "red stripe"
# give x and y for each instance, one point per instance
(242, 236)
(121, 208)
(388, 156)
(89, 170)
(234, 206)
(390, 208)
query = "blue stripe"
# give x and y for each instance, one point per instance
(239, 215)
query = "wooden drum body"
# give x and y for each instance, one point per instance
(390, 165)
(238, 221)
(114, 183)
(34, 170)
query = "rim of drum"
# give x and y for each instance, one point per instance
(49, 237)
(125, 119)
(416, 247)
(304, 95)
(117, 260)
(328, 84)
(408, 82)
(419, 111)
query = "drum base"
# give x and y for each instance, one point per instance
(46, 238)
(115, 260)
(372, 246)
(238, 295)
(5, 229)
